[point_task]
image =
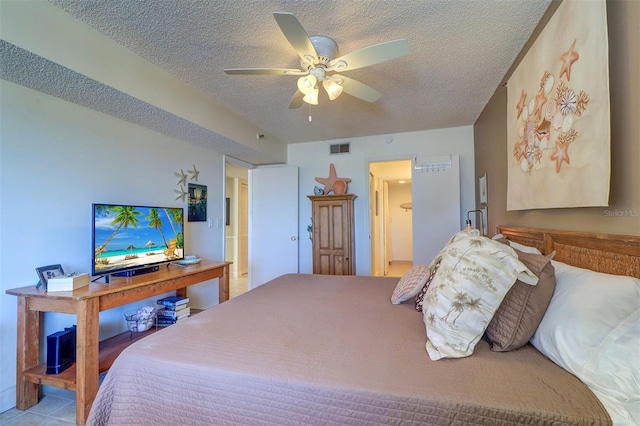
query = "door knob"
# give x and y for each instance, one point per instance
(293, 238)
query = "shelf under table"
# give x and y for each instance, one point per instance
(109, 350)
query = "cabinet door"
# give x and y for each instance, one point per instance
(333, 240)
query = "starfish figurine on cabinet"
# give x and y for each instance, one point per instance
(329, 181)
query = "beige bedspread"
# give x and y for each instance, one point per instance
(312, 349)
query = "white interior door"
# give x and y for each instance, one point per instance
(273, 223)
(436, 195)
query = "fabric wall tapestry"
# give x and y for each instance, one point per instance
(558, 115)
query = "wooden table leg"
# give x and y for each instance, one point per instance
(182, 292)
(87, 359)
(28, 350)
(223, 285)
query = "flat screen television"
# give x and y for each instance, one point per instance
(129, 238)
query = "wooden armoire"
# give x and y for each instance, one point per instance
(333, 234)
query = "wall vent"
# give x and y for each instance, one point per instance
(340, 148)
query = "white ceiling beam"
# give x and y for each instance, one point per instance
(45, 30)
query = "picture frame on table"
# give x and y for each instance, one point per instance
(46, 272)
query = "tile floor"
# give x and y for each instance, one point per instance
(56, 408)
(237, 286)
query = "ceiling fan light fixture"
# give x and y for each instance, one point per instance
(333, 89)
(307, 84)
(319, 57)
(311, 97)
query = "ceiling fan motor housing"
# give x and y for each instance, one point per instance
(326, 48)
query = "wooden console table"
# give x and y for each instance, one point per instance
(92, 356)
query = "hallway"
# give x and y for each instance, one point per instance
(398, 268)
(237, 286)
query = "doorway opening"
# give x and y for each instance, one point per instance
(391, 214)
(236, 227)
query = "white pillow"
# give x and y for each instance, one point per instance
(518, 246)
(474, 275)
(592, 329)
(410, 284)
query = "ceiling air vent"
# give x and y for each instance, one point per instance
(340, 148)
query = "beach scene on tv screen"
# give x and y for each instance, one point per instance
(132, 236)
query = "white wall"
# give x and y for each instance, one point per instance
(35, 26)
(313, 159)
(56, 158)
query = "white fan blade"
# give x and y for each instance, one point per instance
(371, 55)
(264, 71)
(296, 101)
(297, 36)
(358, 90)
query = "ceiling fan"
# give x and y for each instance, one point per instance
(319, 64)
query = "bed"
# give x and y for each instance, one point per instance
(314, 349)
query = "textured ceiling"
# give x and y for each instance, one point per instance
(460, 52)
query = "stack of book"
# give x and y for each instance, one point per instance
(172, 309)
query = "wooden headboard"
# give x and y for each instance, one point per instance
(608, 253)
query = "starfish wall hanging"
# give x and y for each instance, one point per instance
(181, 193)
(182, 178)
(191, 174)
(194, 173)
(559, 113)
(550, 114)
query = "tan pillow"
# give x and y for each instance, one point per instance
(410, 284)
(522, 309)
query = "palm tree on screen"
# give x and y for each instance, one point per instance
(156, 223)
(175, 215)
(125, 216)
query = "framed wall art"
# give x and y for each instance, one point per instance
(482, 187)
(197, 203)
(558, 114)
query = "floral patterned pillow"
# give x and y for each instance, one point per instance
(410, 284)
(435, 263)
(475, 274)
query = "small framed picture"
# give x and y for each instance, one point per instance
(483, 189)
(46, 272)
(197, 203)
